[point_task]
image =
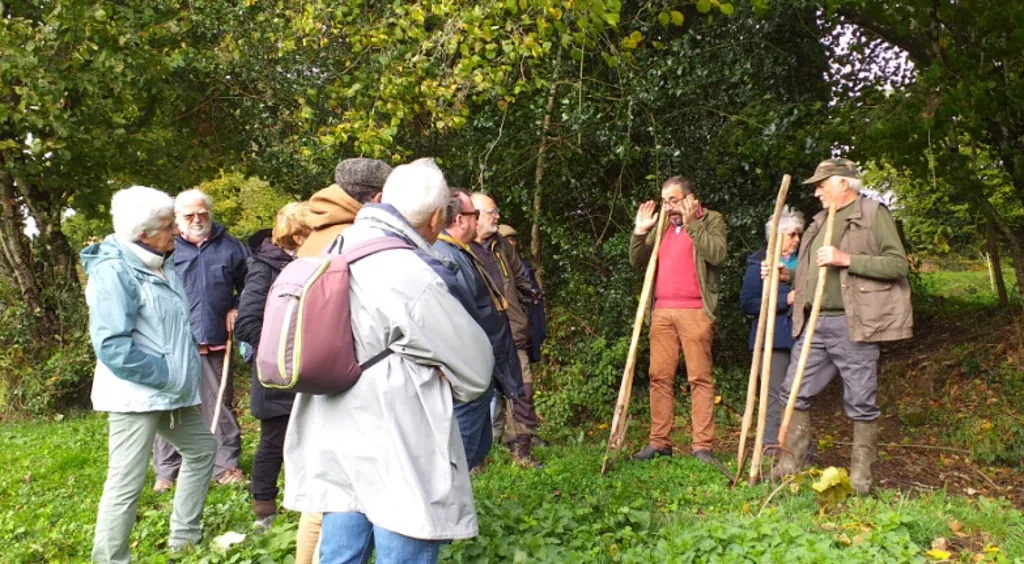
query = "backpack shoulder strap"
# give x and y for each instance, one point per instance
(371, 246)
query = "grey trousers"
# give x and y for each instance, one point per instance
(131, 435)
(832, 352)
(166, 459)
(773, 418)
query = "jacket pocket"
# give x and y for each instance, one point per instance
(875, 312)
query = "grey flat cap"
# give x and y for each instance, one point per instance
(833, 167)
(362, 173)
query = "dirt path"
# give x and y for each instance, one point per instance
(907, 468)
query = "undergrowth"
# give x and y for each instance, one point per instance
(668, 510)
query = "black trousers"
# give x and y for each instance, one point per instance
(269, 458)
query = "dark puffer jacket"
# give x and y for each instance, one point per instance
(265, 264)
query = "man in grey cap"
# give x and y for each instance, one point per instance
(357, 182)
(866, 301)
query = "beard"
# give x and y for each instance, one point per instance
(196, 234)
(486, 231)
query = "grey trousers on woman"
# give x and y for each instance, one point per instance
(166, 459)
(129, 445)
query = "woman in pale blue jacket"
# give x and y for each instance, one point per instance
(147, 369)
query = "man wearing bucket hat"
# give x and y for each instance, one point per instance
(866, 301)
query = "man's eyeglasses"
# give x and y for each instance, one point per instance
(474, 213)
(674, 202)
(495, 211)
(203, 215)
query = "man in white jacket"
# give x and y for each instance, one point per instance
(384, 461)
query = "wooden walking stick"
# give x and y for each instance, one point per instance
(812, 323)
(755, 363)
(618, 431)
(766, 360)
(223, 385)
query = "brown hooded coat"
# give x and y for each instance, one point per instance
(332, 211)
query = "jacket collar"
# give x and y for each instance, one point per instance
(856, 214)
(386, 218)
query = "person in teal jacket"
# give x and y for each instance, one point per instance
(147, 370)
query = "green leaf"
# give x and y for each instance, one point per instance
(704, 6)
(664, 18)
(727, 9)
(677, 17)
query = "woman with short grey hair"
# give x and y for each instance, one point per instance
(147, 369)
(791, 226)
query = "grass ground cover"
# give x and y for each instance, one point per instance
(670, 510)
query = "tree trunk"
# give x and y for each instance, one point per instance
(538, 175)
(14, 245)
(1012, 241)
(995, 265)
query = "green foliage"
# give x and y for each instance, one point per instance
(243, 204)
(39, 376)
(670, 510)
(580, 382)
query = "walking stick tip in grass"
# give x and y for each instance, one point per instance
(748, 413)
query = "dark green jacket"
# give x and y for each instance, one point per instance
(876, 293)
(709, 246)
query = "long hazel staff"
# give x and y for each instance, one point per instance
(618, 431)
(755, 363)
(766, 361)
(223, 386)
(812, 322)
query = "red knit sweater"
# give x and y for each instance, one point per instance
(677, 285)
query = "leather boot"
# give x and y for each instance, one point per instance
(865, 449)
(265, 512)
(797, 443)
(522, 454)
(264, 509)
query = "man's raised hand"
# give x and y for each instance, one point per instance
(646, 218)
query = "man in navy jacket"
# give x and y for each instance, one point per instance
(488, 309)
(212, 266)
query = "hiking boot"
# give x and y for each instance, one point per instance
(163, 485)
(865, 449)
(792, 460)
(264, 509)
(522, 455)
(233, 476)
(649, 452)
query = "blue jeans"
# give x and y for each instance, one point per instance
(474, 419)
(349, 538)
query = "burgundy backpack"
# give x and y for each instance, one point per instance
(306, 344)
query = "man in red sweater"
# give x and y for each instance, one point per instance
(685, 299)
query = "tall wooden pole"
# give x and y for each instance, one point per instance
(809, 327)
(755, 363)
(766, 361)
(618, 430)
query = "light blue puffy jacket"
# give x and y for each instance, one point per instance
(147, 358)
